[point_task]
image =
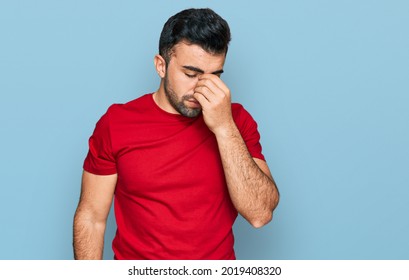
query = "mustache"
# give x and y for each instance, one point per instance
(188, 97)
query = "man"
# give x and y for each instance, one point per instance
(180, 163)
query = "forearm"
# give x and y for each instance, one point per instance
(88, 237)
(253, 192)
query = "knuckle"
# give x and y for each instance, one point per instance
(207, 82)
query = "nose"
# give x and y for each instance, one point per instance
(195, 80)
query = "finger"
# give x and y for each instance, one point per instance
(203, 101)
(209, 83)
(215, 80)
(210, 90)
(206, 92)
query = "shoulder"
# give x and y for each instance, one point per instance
(118, 110)
(236, 109)
(243, 119)
(240, 114)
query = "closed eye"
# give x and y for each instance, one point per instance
(191, 76)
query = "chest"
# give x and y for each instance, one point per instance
(156, 160)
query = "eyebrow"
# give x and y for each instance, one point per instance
(195, 69)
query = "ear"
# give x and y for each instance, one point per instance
(160, 65)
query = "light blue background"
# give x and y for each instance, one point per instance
(327, 82)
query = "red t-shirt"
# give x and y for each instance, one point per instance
(171, 199)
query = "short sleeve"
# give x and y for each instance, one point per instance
(100, 159)
(248, 130)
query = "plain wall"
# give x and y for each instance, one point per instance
(327, 82)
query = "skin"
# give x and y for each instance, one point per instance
(190, 84)
(97, 193)
(194, 76)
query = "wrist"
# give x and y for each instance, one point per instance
(226, 131)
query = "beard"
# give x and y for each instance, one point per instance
(179, 105)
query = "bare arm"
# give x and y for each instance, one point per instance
(91, 215)
(249, 181)
(251, 186)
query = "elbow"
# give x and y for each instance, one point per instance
(266, 216)
(261, 217)
(261, 220)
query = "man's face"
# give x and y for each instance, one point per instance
(186, 64)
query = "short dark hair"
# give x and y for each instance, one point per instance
(202, 27)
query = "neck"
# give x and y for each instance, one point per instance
(161, 100)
